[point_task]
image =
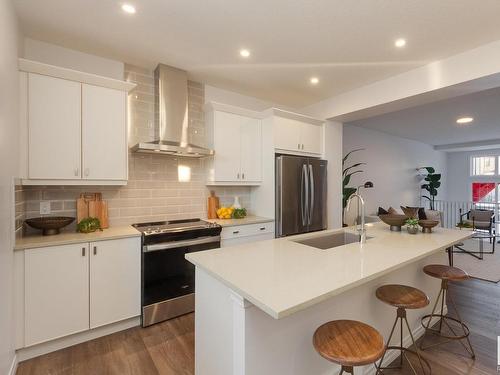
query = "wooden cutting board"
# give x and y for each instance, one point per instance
(92, 205)
(213, 205)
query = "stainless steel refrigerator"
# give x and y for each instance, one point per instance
(301, 193)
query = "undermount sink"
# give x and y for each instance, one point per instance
(328, 241)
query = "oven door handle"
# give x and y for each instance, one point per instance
(177, 244)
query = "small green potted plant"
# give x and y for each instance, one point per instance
(88, 225)
(412, 225)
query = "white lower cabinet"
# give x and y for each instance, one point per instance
(115, 281)
(74, 288)
(247, 233)
(56, 292)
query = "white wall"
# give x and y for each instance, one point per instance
(71, 59)
(459, 182)
(391, 163)
(333, 153)
(8, 168)
(215, 94)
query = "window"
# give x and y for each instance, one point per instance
(483, 165)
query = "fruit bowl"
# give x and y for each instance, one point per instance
(49, 225)
(427, 225)
(396, 221)
(225, 212)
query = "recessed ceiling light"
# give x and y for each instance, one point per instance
(314, 80)
(465, 120)
(244, 53)
(128, 8)
(400, 43)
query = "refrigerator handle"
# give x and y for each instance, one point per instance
(311, 207)
(304, 193)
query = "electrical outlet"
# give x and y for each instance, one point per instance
(44, 208)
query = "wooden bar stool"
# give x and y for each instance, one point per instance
(403, 297)
(446, 274)
(349, 343)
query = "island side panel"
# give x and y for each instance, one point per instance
(284, 346)
(213, 326)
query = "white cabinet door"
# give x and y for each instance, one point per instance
(287, 134)
(115, 280)
(54, 127)
(104, 133)
(227, 159)
(56, 283)
(311, 137)
(251, 150)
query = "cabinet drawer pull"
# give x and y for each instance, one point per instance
(83, 251)
(262, 228)
(243, 176)
(236, 232)
(77, 172)
(95, 250)
(87, 172)
(238, 176)
(302, 146)
(298, 146)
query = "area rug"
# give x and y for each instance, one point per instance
(487, 269)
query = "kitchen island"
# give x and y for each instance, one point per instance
(258, 304)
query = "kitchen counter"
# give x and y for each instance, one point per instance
(282, 277)
(64, 238)
(234, 222)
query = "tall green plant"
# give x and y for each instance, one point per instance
(432, 184)
(347, 173)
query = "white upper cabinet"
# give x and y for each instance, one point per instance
(54, 108)
(73, 127)
(104, 133)
(286, 134)
(295, 133)
(236, 136)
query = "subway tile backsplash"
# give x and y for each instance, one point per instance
(153, 191)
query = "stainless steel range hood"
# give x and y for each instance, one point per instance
(171, 116)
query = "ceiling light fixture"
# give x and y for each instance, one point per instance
(244, 53)
(400, 43)
(314, 80)
(465, 120)
(128, 8)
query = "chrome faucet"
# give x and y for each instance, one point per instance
(362, 229)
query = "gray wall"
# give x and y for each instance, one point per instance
(391, 163)
(8, 169)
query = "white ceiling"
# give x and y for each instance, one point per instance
(346, 43)
(435, 123)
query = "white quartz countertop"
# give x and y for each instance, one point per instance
(245, 221)
(282, 277)
(65, 238)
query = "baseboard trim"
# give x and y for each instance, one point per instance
(13, 366)
(24, 354)
(392, 355)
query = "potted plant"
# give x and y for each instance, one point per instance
(347, 172)
(412, 225)
(432, 183)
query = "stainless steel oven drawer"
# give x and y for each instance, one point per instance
(168, 309)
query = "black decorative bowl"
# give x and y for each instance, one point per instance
(49, 225)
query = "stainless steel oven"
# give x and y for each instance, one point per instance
(168, 279)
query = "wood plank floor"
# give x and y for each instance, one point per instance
(168, 348)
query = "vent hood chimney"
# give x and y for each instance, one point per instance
(171, 116)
